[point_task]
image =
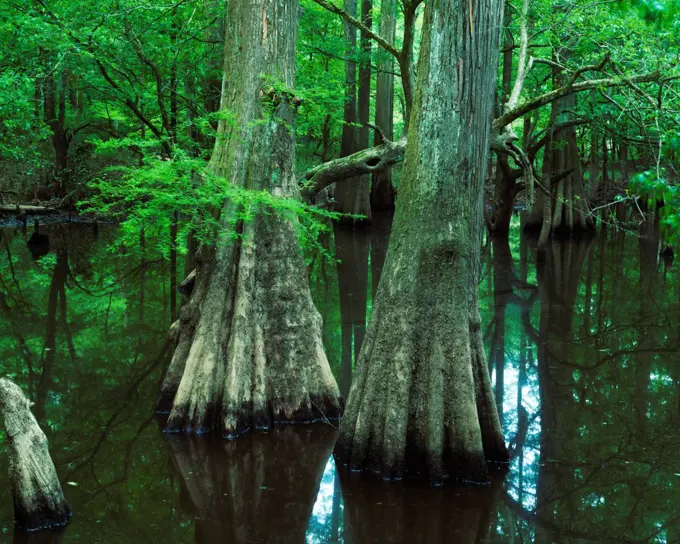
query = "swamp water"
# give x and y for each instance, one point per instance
(584, 351)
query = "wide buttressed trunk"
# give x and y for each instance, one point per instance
(249, 346)
(39, 501)
(421, 402)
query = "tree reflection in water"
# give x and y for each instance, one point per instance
(585, 342)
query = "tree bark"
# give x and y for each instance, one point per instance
(421, 402)
(565, 198)
(39, 501)
(249, 344)
(353, 195)
(382, 191)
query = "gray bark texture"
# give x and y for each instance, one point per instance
(39, 501)
(421, 403)
(249, 349)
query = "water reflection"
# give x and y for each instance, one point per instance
(584, 349)
(259, 488)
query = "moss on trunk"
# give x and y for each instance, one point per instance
(249, 350)
(421, 402)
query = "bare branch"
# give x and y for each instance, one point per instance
(382, 42)
(522, 66)
(366, 161)
(544, 99)
(379, 131)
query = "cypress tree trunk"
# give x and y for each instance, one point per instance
(39, 501)
(382, 192)
(249, 349)
(564, 210)
(421, 398)
(353, 196)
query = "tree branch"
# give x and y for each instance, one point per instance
(544, 99)
(366, 161)
(359, 25)
(522, 66)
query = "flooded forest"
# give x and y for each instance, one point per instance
(339, 271)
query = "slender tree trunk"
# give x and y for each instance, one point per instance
(564, 208)
(353, 195)
(421, 401)
(54, 89)
(249, 343)
(212, 86)
(382, 191)
(593, 166)
(504, 187)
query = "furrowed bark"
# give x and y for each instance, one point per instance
(421, 402)
(249, 351)
(39, 501)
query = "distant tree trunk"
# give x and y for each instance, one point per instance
(382, 191)
(605, 169)
(39, 501)
(54, 90)
(421, 399)
(212, 86)
(568, 206)
(249, 348)
(593, 165)
(505, 186)
(353, 196)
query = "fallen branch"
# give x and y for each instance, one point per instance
(18, 209)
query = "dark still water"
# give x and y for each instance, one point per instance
(584, 350)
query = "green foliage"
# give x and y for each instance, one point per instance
(659, 192)
(180, 188)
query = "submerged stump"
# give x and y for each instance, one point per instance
(39, 501)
